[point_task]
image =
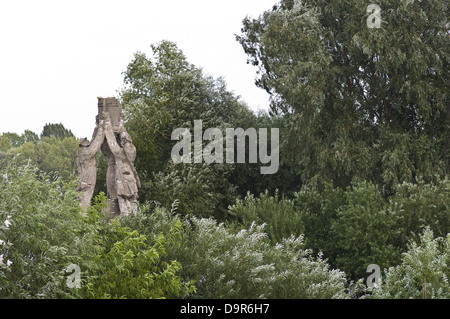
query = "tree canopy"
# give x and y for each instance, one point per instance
(356, 97)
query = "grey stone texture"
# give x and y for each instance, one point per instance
(122, 180)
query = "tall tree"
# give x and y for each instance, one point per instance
(361, 101)
(4, 143)
(30, 137)
(15, 139)
(166, 92)
(56, 130)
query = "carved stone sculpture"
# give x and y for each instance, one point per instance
(87, 165)
(122, 180)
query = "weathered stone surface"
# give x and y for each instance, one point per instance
(122, 180)
(112, 108)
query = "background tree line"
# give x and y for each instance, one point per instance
(364, 163)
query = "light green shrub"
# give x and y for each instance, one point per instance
(423, 273)
(279, 215)
(244, 264)
(42, 232)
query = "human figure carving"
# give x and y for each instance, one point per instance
(121, 154)
(122, 180)
(130, 150)
(87, 165)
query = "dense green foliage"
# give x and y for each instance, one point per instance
(279, 215)
(56, 130)
(355, 227)
(129, 265)
(245, 264)
(423, 273)
(39, 228)
(359, 102)
(166, 92)
(52, 153)
(42, 232)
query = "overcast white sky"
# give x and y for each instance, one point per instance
(56, 57)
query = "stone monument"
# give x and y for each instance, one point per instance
(122, 180)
